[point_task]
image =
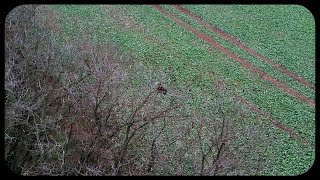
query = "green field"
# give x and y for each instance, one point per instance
(285, 34)
(258, 26)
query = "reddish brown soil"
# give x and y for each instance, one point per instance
(243, 62)
(243, 47)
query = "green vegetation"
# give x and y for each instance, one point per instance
(287, 109)
(283, 33)
(160, 50)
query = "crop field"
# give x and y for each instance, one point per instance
(250, 67)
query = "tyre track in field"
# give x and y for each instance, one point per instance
(254, 108)
(220, 85)
(283, 87)
(226, 36)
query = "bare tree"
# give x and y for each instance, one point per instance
(73, 108)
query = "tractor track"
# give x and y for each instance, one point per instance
(253, 107)
(281, 86)
(236, 42)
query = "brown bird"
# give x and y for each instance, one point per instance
(160, 88)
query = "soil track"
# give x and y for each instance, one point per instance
(276, 123)
(220, 85)
(243, 62)
(224, 35)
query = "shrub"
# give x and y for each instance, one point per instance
(72, 108)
